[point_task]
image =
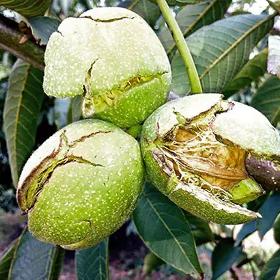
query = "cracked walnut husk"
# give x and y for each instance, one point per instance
(112, 58)
(198, 151)
(81, 184)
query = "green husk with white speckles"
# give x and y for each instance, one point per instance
(195, 151)
(81, 184)
(113, 58)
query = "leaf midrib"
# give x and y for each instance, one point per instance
(187, 30)
(235, 44)
(171, 233)
(16, 121)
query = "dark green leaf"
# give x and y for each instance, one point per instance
(192, 17)
(145, 8)
(276, 229)
(27, 8)
(220, 50)
(92, 263)
(151, 262)
(245, 231)
(22, 107)
(182, 2)
(34, 259)
(267, 100)
(6, 260)
(224, 256)
(42, 28)
(269, 211)
(166, 231)
(271, 268)
(200, 229)
(251, 71)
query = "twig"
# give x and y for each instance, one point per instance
(11, 39)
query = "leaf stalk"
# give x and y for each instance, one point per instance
(181, 45)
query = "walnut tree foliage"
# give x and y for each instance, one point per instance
(235, 52)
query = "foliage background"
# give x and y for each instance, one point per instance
(231, 55)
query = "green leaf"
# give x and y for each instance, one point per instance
(273, 66)
(269, 211)
(220, 50)
(27, 8)
(182, 2)
(151, 262)
(165, 231)
(92, 263)
(6, 260)
(145, 8)
(272, 267)
(200, 229)
(224, 256)
(267, 100)
(21, 111)
(42, 28)
(246, 230)
(252, 70)
(34, 259)
(192, 17)
(276, 229)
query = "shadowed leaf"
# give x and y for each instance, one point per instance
(34, 259)
(145, 8)
(267, 100)
(272, 268)
(269, 211)
(22, 107)
(6, 260)
(252, 70)
(92, 263)
(245, 231)
(200, 229)
(224, 256)
(166, 231)
(42, 28)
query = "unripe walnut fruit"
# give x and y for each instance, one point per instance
(81, 184)
(114, 59)
(195, 150)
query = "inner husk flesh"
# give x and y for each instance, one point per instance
(197, 157)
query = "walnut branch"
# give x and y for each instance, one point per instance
(11, 40)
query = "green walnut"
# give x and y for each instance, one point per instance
(195, 150)
(112, 58)
(81, 184)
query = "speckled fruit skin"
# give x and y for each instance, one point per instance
(113, 58)
(81, 184)
(241, 125)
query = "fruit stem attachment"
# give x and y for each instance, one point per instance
(181, 45)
